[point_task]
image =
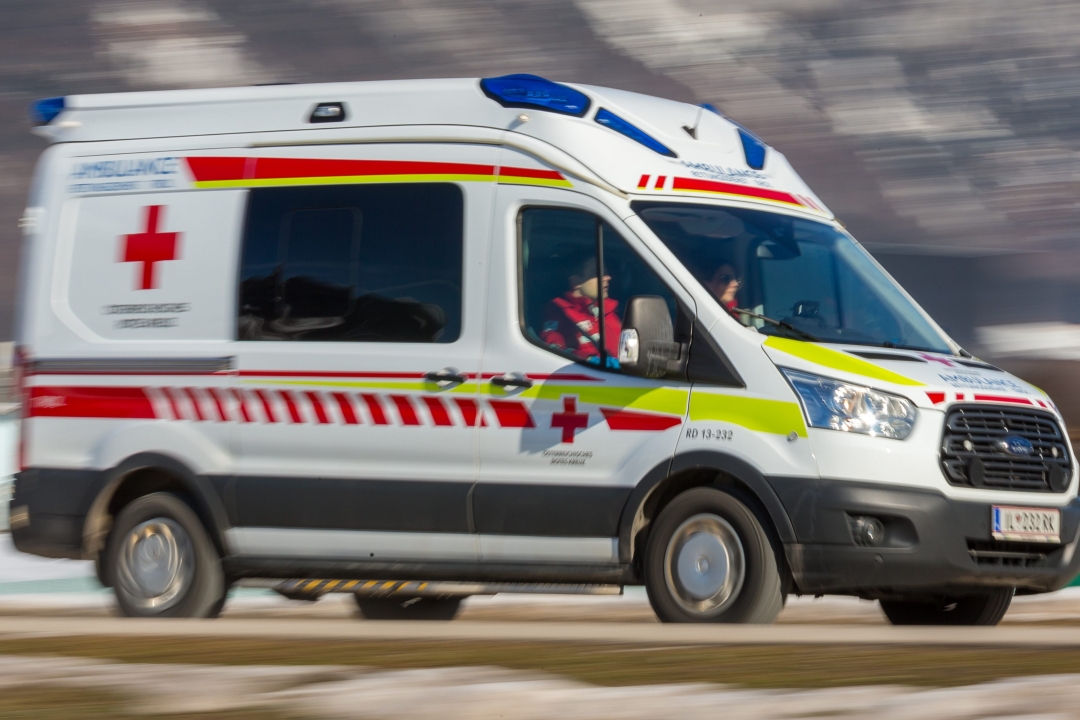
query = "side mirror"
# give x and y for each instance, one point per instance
(647, 344)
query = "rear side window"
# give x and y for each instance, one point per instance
(360, 263)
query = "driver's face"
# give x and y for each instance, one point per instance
(591, 288)
(724, 284)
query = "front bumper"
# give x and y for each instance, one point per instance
(931, 543)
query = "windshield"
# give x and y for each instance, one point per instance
(790, 277)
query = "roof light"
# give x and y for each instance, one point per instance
(328, 112)
(753, 147)
(530, 91)
(45, 111)
(616, 123)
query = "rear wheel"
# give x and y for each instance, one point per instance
(709, 560)
(985, 608)
(161, 562)
(408, 608)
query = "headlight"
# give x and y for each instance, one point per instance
(842, 406)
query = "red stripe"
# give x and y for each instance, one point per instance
(217, 403)
(469, 412)
(405, 409)
(633, 420)
(330, 374)
(936, 397)
(316, 403)
(239, 395)
(294, 413)
(643, 182)
(1003, 399)
(91, 402)
(531, 173)
(377, 415)
(660, 182)
(682, 183)
(268, 408)
(170, 393)
(190, 392)
(346, 408)
(264, 396)
(216, 168)
(512, 414)
(438, 411)
(556, 376)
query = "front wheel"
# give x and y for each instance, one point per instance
(161, 562)
(416, 608)
(709, 560)
(985, 608)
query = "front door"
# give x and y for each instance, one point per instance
(359, 323)
(569, 434)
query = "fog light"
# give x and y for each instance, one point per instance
(867, 531)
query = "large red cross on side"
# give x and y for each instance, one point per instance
(150, 246)
(569, 419)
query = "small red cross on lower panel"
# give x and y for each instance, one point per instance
(569, 419)
(150, 246)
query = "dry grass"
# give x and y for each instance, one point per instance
(778, 666)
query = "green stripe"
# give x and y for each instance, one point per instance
(769, 416)
(836, 360)
(664, 399)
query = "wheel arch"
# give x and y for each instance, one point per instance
(698, 468)
(145, 473)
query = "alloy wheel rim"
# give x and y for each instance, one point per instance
(156, 564)
(705, 565)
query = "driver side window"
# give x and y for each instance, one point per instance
(570, 260)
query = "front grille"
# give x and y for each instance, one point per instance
(972, 456)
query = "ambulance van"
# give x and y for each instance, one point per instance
(417, 340)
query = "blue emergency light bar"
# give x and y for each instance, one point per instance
(753, 147)
(45, 111)
(530, 91)
(611, 120)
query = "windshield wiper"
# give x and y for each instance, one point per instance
(779, 323)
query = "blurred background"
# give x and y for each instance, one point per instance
(944, 133)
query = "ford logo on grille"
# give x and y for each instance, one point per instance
(1014, 445)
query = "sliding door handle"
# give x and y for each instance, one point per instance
(512, 380)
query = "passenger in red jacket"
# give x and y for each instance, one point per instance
(572, 322)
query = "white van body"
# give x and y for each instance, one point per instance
(403, 460)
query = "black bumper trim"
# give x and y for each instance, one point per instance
(927, 541)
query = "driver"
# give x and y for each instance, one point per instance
(724, 283)
(572, 321)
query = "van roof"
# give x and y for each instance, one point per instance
(619, 138)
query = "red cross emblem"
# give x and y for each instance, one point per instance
(934, 358)
(150, 246)
(569, 419)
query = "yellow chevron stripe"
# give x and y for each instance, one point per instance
(769, 416)
(836, 360)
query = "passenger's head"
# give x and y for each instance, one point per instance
(584, 281)
(724, 283)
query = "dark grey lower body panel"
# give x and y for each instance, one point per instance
(930, 542)
(246, 566)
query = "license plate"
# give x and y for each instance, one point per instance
(1025, 524)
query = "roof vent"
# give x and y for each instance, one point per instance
(328, 112)
(616, 123)
(530, 91)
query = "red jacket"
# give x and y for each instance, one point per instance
(572, 324)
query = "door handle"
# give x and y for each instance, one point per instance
(446, 377)
(512, 380)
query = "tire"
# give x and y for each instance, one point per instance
(742, 584)
(408, 608)
(161, 562)
(985, 608)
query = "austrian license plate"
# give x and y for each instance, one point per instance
(1025, 524)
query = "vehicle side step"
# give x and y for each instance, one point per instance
(314, 588)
